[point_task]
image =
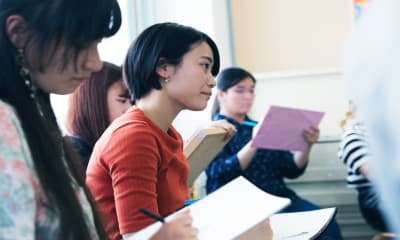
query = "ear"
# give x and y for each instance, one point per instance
(163, 69)
(16, 29)
(220, 95)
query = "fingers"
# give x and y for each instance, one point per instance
(184, 212)
(178, 228)
(311, 134)
(261, 231)
(229, 128)
(184, 218)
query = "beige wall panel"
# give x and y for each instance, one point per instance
(290, 35)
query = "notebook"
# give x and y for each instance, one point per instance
(301, 225)
(201, 148)
(229, 212)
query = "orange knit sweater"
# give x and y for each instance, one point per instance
(137, 165)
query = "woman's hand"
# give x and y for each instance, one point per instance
(262, 231)
(179, 228)
(230, 129)
(311, 135)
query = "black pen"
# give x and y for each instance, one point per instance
(152, 215)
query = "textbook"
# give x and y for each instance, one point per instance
(301, 225)
(227, 213)
(283, 128)
(201, 148)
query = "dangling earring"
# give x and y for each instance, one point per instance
(166, 80)
(25, 74)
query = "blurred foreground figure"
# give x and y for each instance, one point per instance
(373, 68)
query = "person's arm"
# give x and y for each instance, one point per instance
(311, 135)
(19, 183)
(230, 162)
(245, 155)
(224, 168)
(354, 152)
(133, 159)
(364, 170)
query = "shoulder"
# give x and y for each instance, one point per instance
(354, 135)
(11, 130)
(7, 113)
(127, 136)
(133, 130)
(13, 143)
(16, 165)
(78, 143)
(132, 122)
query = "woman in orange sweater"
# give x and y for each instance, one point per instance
(138, 162)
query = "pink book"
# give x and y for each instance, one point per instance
(283, 128)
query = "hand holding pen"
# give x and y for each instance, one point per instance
(179, 227)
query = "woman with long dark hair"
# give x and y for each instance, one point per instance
(46, 47)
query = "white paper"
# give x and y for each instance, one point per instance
(300, 225)
(228, 212)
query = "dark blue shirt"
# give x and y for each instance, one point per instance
(267, 169)
(82, 148)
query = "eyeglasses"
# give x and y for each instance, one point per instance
(243, 90)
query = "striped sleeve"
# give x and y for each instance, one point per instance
(353, 152)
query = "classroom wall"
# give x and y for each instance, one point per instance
(322, 90)
(308, 76)
(287, 35)
(295, 49)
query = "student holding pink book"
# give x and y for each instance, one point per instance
(265, 168)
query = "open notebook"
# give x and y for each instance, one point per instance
(201, 148)
(228, 212)
(301, 225)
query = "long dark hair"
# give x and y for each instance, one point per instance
(74, 24)
(161, 43)
(88, 116)
(226, 79)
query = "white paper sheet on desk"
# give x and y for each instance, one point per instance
(301, 225)
(228, 212)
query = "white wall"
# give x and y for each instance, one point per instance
(208, 16)
(322, 90)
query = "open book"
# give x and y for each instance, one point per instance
(201, 148)
(301, 225)
(228, 212)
